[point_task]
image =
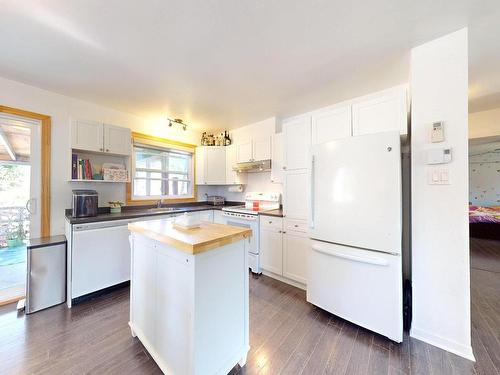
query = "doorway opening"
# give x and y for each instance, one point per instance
(19, 197)
(484, 230)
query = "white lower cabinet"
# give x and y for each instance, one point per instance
(207, 215)
(218, 217)
(99, 253)
(284, 252)
(295, 249)
(271, 244)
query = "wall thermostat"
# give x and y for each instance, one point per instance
(437, 132)
(439, 156)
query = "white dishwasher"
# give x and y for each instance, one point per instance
(100, 256)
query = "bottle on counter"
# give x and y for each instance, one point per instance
(227, 140)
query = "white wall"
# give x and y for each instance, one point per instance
(62, 109)
(484, 174)
(440, 236)
(484, 123)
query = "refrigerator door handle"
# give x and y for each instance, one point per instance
(355, 258)
(311, 197)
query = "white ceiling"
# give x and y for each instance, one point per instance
(228, 63)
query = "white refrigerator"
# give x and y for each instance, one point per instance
(354, 266)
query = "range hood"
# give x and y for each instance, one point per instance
(253, 166)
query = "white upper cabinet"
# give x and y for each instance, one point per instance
(98, 137)
(87, 135)
(383, 112)
(244, 151)
(295, 194)
(262, 148)
(331, 124)
(277, 159)
(117, 140)
(210, 165)
(297, 140)
(255, 149)
(233, 177)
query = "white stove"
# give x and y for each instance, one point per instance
(248, 216)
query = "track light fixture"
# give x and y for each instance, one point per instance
(177, 121)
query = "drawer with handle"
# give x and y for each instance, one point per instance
(296, 225)
(271, 222)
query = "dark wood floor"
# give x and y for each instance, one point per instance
(288, 336)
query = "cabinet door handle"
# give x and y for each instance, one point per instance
(283, 232)
(295, 225)
(284, 168)
(107, 150)
(101, 149)
(270, 222)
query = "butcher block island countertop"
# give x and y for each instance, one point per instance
(192, 241)
(189, 297)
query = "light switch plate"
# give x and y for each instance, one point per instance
(438, 176)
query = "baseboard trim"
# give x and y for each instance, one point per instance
(284, 280)
(443, 343)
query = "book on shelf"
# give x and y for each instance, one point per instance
(84, 170)
(74, 166)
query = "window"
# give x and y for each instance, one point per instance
(162, 173)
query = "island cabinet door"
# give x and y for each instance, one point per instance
(143, 287)
(174, 310)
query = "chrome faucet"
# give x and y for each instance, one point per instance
(158, 203)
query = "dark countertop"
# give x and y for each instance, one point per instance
(276, 213)
(132, 212)
(34, 243)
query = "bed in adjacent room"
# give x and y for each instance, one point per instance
(484, 222)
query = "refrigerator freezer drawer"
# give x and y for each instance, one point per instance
(361, 286)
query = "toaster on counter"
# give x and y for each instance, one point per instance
(215, 200)
(85, 203)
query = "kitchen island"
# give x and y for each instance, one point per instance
(189, 295)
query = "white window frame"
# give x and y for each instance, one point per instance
(165, 148)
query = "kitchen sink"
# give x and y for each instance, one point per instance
(164, 209)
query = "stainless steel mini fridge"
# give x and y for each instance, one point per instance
(46, 280)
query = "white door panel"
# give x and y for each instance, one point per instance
(271, 250)
(364, 287)
(356, 192)
(117, 140)
(297, 140)
(277, 159)
(87, 135)
(332, 124)
(295, 194)
(262, 148)
(296, 246)
(382, 114)
(244, 151)
(215, 165)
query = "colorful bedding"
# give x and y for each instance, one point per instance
(479, 214)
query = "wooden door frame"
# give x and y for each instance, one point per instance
(44, 164)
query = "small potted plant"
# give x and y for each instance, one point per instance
(115, 207)
(16, 234)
